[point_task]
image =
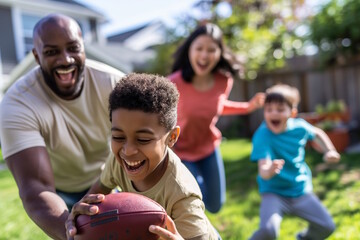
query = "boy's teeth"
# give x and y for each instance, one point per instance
(133, 163)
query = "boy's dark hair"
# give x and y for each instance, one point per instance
(148, 93)
(282, 93)
(228, 62)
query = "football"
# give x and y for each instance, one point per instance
(122, 216)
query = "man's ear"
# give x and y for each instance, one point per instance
(173, 136)
(35, 56)
(294, 112)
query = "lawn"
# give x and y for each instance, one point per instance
(338, 187)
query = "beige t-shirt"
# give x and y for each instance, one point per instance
(76, 133)
(177, 191)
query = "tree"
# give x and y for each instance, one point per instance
(335, 30)
(261, 32)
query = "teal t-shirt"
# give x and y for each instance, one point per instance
(295, 179)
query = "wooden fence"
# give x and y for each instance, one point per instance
(316, 86)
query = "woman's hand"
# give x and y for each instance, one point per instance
(84, 206)
(256, 101)
(170, 233)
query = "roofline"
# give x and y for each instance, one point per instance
(55, 6)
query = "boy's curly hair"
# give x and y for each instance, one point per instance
(148, 93)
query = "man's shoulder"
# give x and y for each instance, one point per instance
(29, 82)
(102, 68)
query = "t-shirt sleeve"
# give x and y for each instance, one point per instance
(190, 218)
(106, 177)
(19, 128)
(260, 145)
(308, 128)
(232, 107)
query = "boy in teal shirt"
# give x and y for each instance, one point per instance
(285, 180)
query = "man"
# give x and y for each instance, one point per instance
(54, 123)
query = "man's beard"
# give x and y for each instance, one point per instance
(51, 82)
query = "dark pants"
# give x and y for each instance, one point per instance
(210, 175)
(71, 198)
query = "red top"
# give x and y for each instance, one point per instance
(199, 111)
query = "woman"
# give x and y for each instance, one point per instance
(203, 73)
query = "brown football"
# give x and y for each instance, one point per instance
(122, 216)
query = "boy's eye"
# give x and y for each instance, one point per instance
(118, 138)
(144, 140)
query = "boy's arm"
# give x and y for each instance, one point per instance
(326, 146)
(268, 168)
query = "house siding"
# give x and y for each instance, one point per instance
(7, 41)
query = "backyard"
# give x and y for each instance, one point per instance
(338, 187)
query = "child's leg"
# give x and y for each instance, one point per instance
(310, 208)
(271, 214)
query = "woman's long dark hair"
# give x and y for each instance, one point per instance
(227, 60)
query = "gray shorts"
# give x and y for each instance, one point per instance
(308, 207)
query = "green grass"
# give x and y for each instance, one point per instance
(337, 187)
(14, 222)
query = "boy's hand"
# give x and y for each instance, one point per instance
(277, 166)
(331, 156)
(268, 168)
(170, 233)
(82, 207)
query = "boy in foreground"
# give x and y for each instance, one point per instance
(285, 180)
(143, 113)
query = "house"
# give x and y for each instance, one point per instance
(18, 18)
(142, 37)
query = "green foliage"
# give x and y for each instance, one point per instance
(335, 30)
(251, 33)
(162, 64)
(257, 32)
(332, 106)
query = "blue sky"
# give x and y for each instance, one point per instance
(125, 14)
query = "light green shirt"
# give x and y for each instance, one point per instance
(177, 191)
(76, 133)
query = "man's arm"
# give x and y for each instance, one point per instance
(33, 174)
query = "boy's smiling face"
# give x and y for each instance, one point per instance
(139, 144)
(276, 115)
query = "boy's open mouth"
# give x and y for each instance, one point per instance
(133, 165)
(275, 122)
